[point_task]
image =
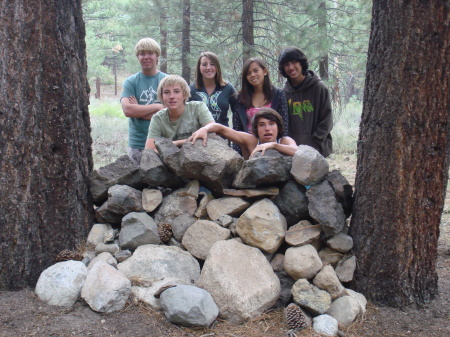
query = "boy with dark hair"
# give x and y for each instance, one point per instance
(309, 104)
(268, 130)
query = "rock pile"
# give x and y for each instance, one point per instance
(240, 238)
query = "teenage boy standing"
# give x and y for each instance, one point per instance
(310, 117)
(139, 96)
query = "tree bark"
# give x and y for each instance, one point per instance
(402, 166)
(248, 41)
(45, 142)
(186, 45)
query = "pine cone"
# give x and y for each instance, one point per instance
(67, 255)
(294, 316)
(165, 232)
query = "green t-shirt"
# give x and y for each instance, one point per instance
(195, 115)
(144, 88)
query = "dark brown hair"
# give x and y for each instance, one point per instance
(271, 115)
(198, 75)
(247, 90)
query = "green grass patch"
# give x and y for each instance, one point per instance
(346, 128)
(106, 108)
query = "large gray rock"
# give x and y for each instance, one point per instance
(308, 166)
(106, 289)
(324, 208)
(189, 306)
(138, 229)
(262, 226)
(155, 173)
(240, 280)
(302, 262)
(123, 171)
(215, 165)
(233, 206)
(262, 170)
(152, 263)
(292, 202)
(343, 190)
(310, 297)
(61, 283)
(200, 237)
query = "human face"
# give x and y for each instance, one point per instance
(294, 71)
(173, 98)
(256, 74)
(148, 61)
(267, 130)
(207, 68)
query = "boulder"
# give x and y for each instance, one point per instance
(262, 226)
(324, 208)
(188, 305)
(292, 202)
(61, 283)
(215, 165)
(240, 280)
(106, 289)
(309, 167)
(123, 171)
(138, 229)
(263, 170)
(154, 173)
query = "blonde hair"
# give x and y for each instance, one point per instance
(147, 44)
(170, 81)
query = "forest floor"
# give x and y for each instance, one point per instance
(23, 314)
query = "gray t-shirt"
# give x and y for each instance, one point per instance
(195, 115)
(144, 88)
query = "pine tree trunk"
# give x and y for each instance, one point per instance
(186, 45)
(402, 167)
(163, 30)
(323, 33)
(247, 30)
(45, 142)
